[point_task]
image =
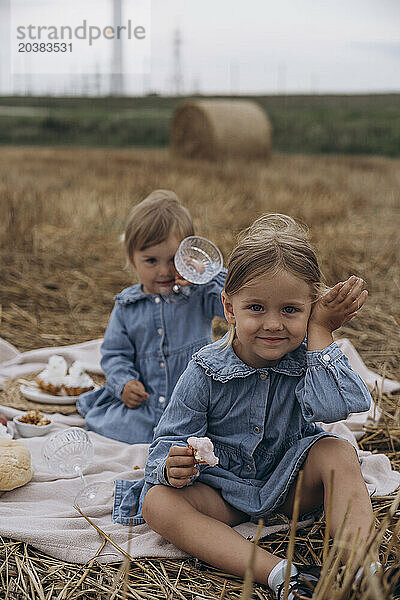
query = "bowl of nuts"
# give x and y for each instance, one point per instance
(32, 423)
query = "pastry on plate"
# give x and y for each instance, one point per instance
(51, 379)
(77, 382)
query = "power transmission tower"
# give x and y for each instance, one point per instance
(97, 80)
(117, 81)
(177, 66)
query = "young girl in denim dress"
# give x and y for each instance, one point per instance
(153, 331)
(258, 395)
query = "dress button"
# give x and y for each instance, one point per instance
(157, 299)
(248, 468)
(256, 429)
(326, 357)
(263, 376)
(161, 399)
(159, 331)
(162, 365)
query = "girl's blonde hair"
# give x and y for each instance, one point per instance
(154, 219)
(272, 243)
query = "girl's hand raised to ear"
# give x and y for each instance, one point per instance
(339, 305)
(180, 466)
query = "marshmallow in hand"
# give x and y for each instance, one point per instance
(203, 450)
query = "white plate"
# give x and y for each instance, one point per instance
(10, 432)
(37, 395)
(10, 429)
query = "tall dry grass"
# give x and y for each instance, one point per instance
(62, 213)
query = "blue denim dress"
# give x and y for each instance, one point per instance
(262, 423)
(150, 338)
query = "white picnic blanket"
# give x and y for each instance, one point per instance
(42, 514)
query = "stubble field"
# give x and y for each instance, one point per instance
(63, 211)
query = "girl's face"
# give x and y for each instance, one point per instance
(155, 266)
(270, 316)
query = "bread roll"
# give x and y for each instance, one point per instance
(15, 464)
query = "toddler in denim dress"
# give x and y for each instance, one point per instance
(152, 332)
(259, 394)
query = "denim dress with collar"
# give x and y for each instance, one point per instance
(150, 338)
(262, 423)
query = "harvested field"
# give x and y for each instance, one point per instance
(308, 124)
(62, 214)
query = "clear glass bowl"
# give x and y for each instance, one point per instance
(198, 260)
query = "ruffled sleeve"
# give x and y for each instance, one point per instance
(186, 415)
(211, 291)
(331, 390)
(118, 354)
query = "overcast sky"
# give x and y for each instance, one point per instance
(281, 45)
(258, 46)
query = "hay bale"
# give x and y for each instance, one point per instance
(215, 129)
